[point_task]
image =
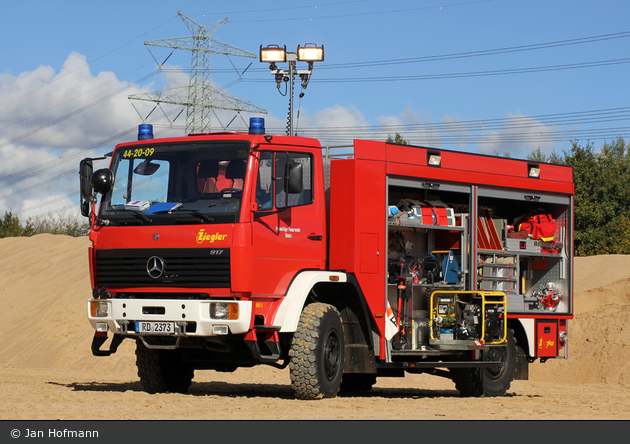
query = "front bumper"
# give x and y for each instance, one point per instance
(122, 314)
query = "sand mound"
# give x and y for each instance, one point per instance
(44, 285)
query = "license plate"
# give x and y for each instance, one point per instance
(155, 328)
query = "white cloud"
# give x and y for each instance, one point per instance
(48, 122)
(414, 127)
(519, 135)
(332, 126)
(70, 108)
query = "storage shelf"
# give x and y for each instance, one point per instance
(497, 279)
(410, 224)
(495, 265)
(519, 253)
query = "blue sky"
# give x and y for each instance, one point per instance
(491, 76)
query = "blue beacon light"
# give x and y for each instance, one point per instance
(145, 131)
(256, 125)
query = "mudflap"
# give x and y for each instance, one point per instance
(99, 339)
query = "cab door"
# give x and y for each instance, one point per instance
(289, 227)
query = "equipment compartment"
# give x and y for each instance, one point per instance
(540, 282)
(430, 252)
(428, 249)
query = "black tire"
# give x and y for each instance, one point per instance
(489, 381)
(357, 382)
(163, 371)
(317, 353)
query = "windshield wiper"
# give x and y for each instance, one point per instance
(196, 213)
(139, 215)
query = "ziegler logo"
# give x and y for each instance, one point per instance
(202, 237)
(545, 344)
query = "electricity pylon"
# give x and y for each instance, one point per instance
(199, 97)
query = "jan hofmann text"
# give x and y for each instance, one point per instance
(54, 433)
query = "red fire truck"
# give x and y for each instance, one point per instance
(225, 250)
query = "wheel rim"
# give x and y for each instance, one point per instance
(496, 354)
(331, 356)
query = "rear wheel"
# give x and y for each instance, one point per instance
(317, 353)
(163, 370)
(489, 381)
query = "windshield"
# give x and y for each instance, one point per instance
(199, 182)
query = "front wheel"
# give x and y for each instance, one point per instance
(163, 370)
(489, 381)
(317, 353)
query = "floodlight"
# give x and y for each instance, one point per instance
(434, 158)
(310, 53)
(533, 170)
(273, 53)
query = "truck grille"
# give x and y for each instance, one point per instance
(178, 267)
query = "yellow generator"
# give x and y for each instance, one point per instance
(467, 319)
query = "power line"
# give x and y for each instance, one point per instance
(116, 79)
(480, 53)
(442, 57)
(426, 129)
(346, 134)
(77, 111)
(59, 77)
(39, 168)
(285, 8)
(362, 14)
(18, 176)
(557, 67)
(591, 116)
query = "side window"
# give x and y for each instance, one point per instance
(272, 177)
(264, 187)
(283, 160)
(121, 182)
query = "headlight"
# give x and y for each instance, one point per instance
(99, 309)
(223, 310)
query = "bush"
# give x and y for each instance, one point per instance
(59, 223)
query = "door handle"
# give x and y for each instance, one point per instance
(315, 237)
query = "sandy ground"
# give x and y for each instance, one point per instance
(47, 371)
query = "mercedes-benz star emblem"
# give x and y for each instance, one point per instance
(155, 267)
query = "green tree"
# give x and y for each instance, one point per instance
(397, 139)
(537, 155)
(602, 198)
(59, 223)
(10, 226)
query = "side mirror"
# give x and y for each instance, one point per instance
(294, 178)
(85, 175)
(102, 180)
